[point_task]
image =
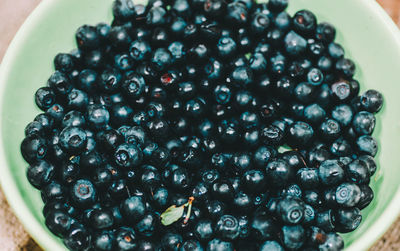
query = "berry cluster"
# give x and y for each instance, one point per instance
(203, 125)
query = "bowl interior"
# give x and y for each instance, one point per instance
(366, 33)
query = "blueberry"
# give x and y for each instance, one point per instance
(83, 193)
(58, 222)
(345, 67)
(78, 238)
(254, 181)
(87, 37)
(128, 155)
(104, 241)
(278, 63)
(45, 98)
(201, 191)
(222, 190)
(34, 128)
(293, 236)
(262, 227)
(77, 99)
(278, 5)
(40, 173)
(330, 129)
(90, 160)
(97, 116)
(125, 239)
(347, 220)
(73, 139)
(364, 123)
(325, 63)
(315, 76)
(46, 122)
(268, 110)
(219, 245)
(335, 50)
(133, 85)
(109, 139)
(171, 241)
(316, 50)
(295, 44)
(73, 119)
(101, 219)
(371, 101)
(341, 147)
(304, 22)
(222, 94)
(300, 133)
(191, 245)
(325, 220)
(160, 157)
(314, 113)
(305, 92)
(308, 177)
(215, 209)
(271, 246)
(242, 202)
(227, 227)
(33, 148)
(146, 245)
(133, 208)
(331, 172)
(159, 36)
(259, 23)
(312, 197)
(60, 84)
(283, 20)
(123, 10)
(147, 225)
(291, 210)
(348, 194)
(204, 230)
(278, 173)
(123, 62)
(102, 178)
(368, 145)
(120, 114)
(343, 114)
(228, 131)
(162, 58)
(293, 190)
(370, 162)
(150, 177)
(119, 37)
(333, 242)
(226, 47)
(358, 172)
(325, 32)
(294, 159)
(366, 196)
(64, 62)
(241, 162)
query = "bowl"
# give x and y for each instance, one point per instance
(368, 35)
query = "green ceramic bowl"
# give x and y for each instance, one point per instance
(367, 33)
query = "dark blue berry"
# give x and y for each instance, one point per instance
(83, 193)
(348, 194)
(331, 172)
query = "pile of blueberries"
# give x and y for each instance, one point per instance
(214, 125)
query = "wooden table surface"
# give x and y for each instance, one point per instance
(12, 234)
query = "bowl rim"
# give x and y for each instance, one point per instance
(42, 236)
(8, 185)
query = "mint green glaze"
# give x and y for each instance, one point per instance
(367, 34)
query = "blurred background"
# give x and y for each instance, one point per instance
(12, 234)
